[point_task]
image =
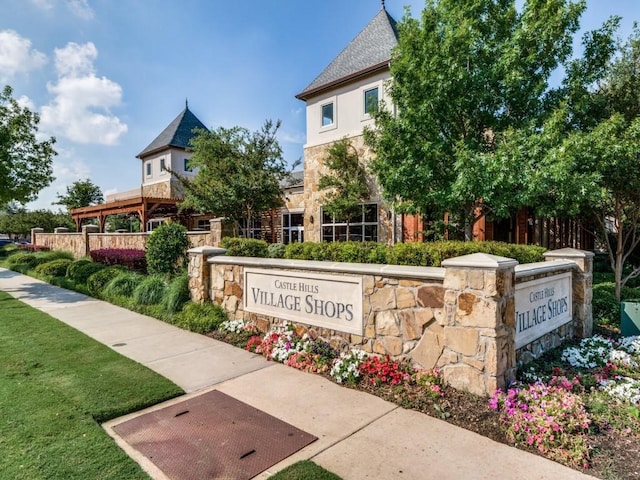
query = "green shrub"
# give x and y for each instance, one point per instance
(245, 247)
(408, 254)
(81, 273)
(123, 285)
(22, 258)
(177, 294)
(200, 317)
(150, 290)
(606, 308)
(276, 250)
(166, 248)
(54, 268)
(75, 265)
(98, 281)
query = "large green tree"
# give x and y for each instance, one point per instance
(462, 74)
(25, 163)
(589, 151)
(238, 173)
(346, 181)
(81, 193)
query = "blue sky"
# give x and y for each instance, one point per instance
(107, 76)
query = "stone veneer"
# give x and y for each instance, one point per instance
(80, 244)
(312, 198)
(459, 318)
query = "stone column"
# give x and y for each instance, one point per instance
(582, 286)
(61, 230)
(479, 331)
(34, 233)
(86, 230)
(199, 271)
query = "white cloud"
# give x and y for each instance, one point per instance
(81, 9)
(43, 4)
(76, 60)
(17, 56)
(80, 109)
(25, 102)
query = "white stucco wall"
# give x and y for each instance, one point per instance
(174, 159)
(349, 117)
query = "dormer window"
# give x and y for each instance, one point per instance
(370, 101)
(148, 167)
(327, 114)
(163, 166)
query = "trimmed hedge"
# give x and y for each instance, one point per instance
(98, 281)
(54, 268)
(245, 247)
(81, 273)
(417, 254)
(131, 258)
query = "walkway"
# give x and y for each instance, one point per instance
(359, 435)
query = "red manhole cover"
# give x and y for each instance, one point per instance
(212, 436)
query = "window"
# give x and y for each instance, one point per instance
(327, 114)
(187, 168)
(363, 228)
(370, 101)
(292, 227)
(254, 232)
(163, 166)
(148, 165)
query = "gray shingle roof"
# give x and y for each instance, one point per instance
(177, 134)
(370, 48)
(294, 179)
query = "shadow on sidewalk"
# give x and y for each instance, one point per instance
(33, 289)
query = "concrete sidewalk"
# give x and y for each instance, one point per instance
(359, 435)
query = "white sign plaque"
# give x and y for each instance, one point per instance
(329, 301)
(542, 305)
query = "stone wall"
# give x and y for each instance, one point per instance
(459, 318)
(80, 244)
(312, 198)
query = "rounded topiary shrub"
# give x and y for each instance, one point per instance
(177, 294)
(75, 265)
(98, 281)
(82, 273)
(166, 248)
(150, 291)
(54, 268)
(123, 285)
(200, 317)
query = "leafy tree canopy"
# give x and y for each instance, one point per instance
(239, 173)
(25, 163)
(463, 74)
(81, 193)
(589, 150)
(21, 222)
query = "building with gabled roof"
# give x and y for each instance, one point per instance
(339, 103)
(159, 193)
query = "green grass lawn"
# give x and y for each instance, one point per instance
(304, 470)
(56, 385)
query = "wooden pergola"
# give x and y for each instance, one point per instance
(145, 207)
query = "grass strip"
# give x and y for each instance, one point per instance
(304, 470)
(56, 385)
